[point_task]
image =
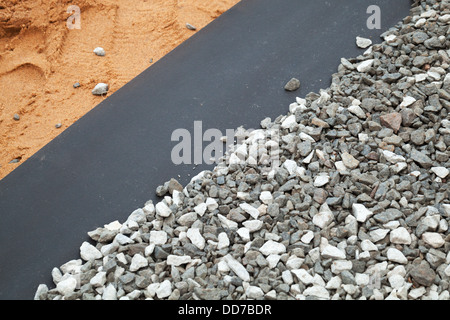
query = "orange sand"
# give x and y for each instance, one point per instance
(41, 59)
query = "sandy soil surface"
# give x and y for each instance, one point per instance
(41, 59)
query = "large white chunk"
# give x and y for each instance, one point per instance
(361, 213)
(196, 238)
(252, 211)
(138, 262)
(396, 255)
(272, 247)
(400, 236)
(89, 252)
(237, 267)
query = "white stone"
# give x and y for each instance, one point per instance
(324, 217)
(365, 65)
(400, 236)
(360, 212)
(420, 77)
(272, 247)
(211, 204)
(196, 238)
(399, 166)
(138, 262)
(109, 293)
(187, 219)
(72, 267)
(177, 198)
(149, 250)
(321, 180)
(441, 172)
(363, 43)
(244, 233)
(306, 137)
(253, 225)
(266, 197)
(164, 290)
(273, 260)
(99, 279)
(334, 283)
(396, 281)
(226, 223)
(224, 242)
(341, 265)
(378, 234)
(331, 252)
(357, 111)
(113, 226)
(307, 237)
(392, 157)
(395, 255)
(290, 166)
(289, 122)
(362, 279)
(237, 267)
(254, 292)
(407, 101)
(367, 245)
(294, 262)
(89, 252)
(420, 23)
(447, 271)
(174, 260)
(100, 89)
(222, 267)
(67, 286)
(158, 238)
(390, 38)
(200, 209)
(417, 293)
(446, 208)
(252, 211)
(433, 239)
(308, 159)
(286, 275)
(122, 239)
(303, 276)
(162, 210)
(340, 166)
(99, 51)
(317, 291)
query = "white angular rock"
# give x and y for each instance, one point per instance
(341, 265)
(334, 283)
(89, 252)
(67, 286)
(399, 166)
(174, 260)
(200, 209)
(100, 89)
(99, 279)
(362, 279)
(289, 122)
(303, 276)
(252, 211)
(162, 210)
(365, 65)
(211, 204)
(294, 263)
(433, 239)
(396, 281)
(321, 180)
(272, 247)
(396, 255)
(357, 111)
(363, 43)
(266, 197)
(226, 223)
(441, 172)
(138, 262)
(254, 292)
(367, 245)
(307, 237)
(244, 233)
(253, 225)
(407, 101)
(290, 166)
(196, 238)
(317, 291)
(392, 157)
(110, 293)
(400, 236)
(99, 51)
(237, 267)
(417, 293)
(341, 168)
(324, 217)
(360, 212)
(164, 290)
(286, 275)
(188, 219)
(223, 242)
(113, 226)
(349, 161)
(158, 238)
(273, 260)
(378, 234)
(331, 252)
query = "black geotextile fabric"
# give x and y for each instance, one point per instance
(110, 162)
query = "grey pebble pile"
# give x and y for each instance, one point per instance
(359, 207)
